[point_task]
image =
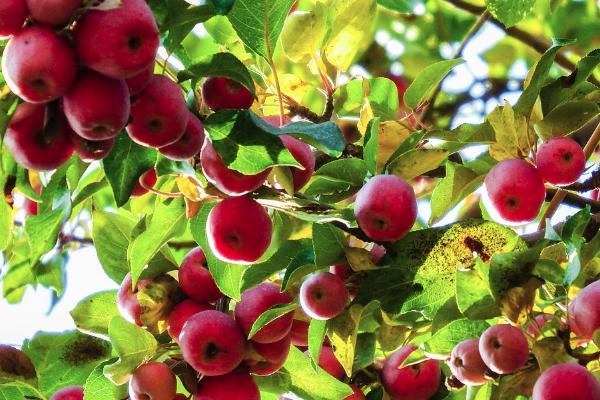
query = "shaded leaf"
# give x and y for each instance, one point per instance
(423, 86)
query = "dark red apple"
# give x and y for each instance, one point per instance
(220, 93)
(323, 296)
(91, 150)
(195, 280)
(273, 356)
(138, 82)
(53, 12)
(236, 385)
(304, 155)
(189, 144)
(148, 179)
(13, 14)
(181, 313)
(329, 362)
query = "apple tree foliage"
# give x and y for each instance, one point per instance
(329, 64)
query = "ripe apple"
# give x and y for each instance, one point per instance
(212, 343)
(323, 296)
(91, 150)
(38, 137)
(130, 39)
(515, 200)
(13, 14)
(304, 155)
(415, 382)
(228, 181)
(127, 300)
(38, 65)
(152, 381)
(357, 394)
(97, 106)
(566, 381)
(503, 348)
(239, 230)
(466, 363)
(181, 313)
(273, 356)
(53, 12)
(220, 93)
(159, 115)
(540, 320)
(584, 313)
(189, 144)
(330, 363)
(68, 393)
(195, 280)
(149, 179)
(560, 161)
(343, 271)
(137, 83)
(236, 385)
(257, 300)
(299, 333)
(386, 208)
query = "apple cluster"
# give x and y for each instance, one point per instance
(515, 188)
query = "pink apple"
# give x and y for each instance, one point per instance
(504, 348)
(584, 313)
(466, 363)
(414, 382)
(560, 160)
(304, 155)
(152, 381)
(566, 382)
(233, 386)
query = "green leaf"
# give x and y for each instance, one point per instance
(311, 26)
(125, 164)
(473, 295)
(134, 346)
(168, 221)
(423, 86)
(219, 64)
(403, 6)
(316, 335)
(350, 30)
(259, 22)
(88, 191)
(364, 351)
(93, 314)
(307, 383)
(111, 233)
(329, 243)
(228, 277)
(338, 179)
(19, 390)
(566, 119)
(243, 146)
(270, 315)
(350, 98)
(458, 183)
(444, 340)
(371, 145)
(510, 12)
(573, 229)
(223, 6)
(99, 387)
(6, 222)
(64, 359)
(416, 162)
(422, 274)
(538, 78)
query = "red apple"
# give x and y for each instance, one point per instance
(91, 150)
(357, 394)
(233, 386)
(130, 39)
(539, 320)
(38, 137)
(584, 313)
(189, 144)
(466, 363)
(330, 363)
(299, 333)
(273, 354)
(504, 348)
(239, 230)
(53, 12)
(257, 300)
(137, 83)
(195, 280)
(221, 93)
(38, 65)
(68, 393)
(159, 115)
(127, 300)
(13, 14)
(227, 180)
(414, 382)
(181, 313)
(97, 106)
(566, 382)
(515, 200)
(560, 161)
(152, 381)
(386, 208)
(149, 179)
(212, 343)
(323, 296)
(304, 155)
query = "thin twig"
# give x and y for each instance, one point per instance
(485, 15)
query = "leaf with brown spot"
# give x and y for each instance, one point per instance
(15, 365)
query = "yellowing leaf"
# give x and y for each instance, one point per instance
(416, 162)
(513, 136)
(189, 187)
(391, 135)
(303, 33)
(550, 351)
(517, 302)
(352, 24)
(359, 259)
(343, 337)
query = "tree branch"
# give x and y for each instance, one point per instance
(574, 200)
(538, 44)
(591, 183)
